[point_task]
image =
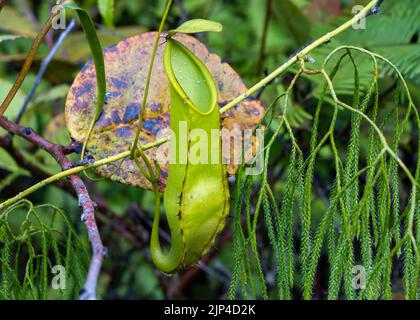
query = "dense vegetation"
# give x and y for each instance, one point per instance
(341, 174)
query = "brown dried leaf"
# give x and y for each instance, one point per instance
(126, 71)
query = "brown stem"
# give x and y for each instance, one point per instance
(108, 218)
(264, 37)
(85, 202)
(28, 62)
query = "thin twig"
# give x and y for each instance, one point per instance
(264, 36)
(73, 170)
(149, 76)
(108, 217)
(315, 44)
(227, 107)
(85, 202)
(28, 62)
(43, 69)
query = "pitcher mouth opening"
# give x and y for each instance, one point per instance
(203, 108)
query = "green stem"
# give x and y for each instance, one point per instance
(28, 63)
(375, 127)
(230, 105)
(324, 39)
(74, 170)
(149, 76)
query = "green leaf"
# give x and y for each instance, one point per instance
(97, 53)
(196, 26)
(98, 59)
(106, 9)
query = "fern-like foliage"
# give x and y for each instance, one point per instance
(370, 221)
(33, 240)
(394, 34)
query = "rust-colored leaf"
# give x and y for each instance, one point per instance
(126, 72)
